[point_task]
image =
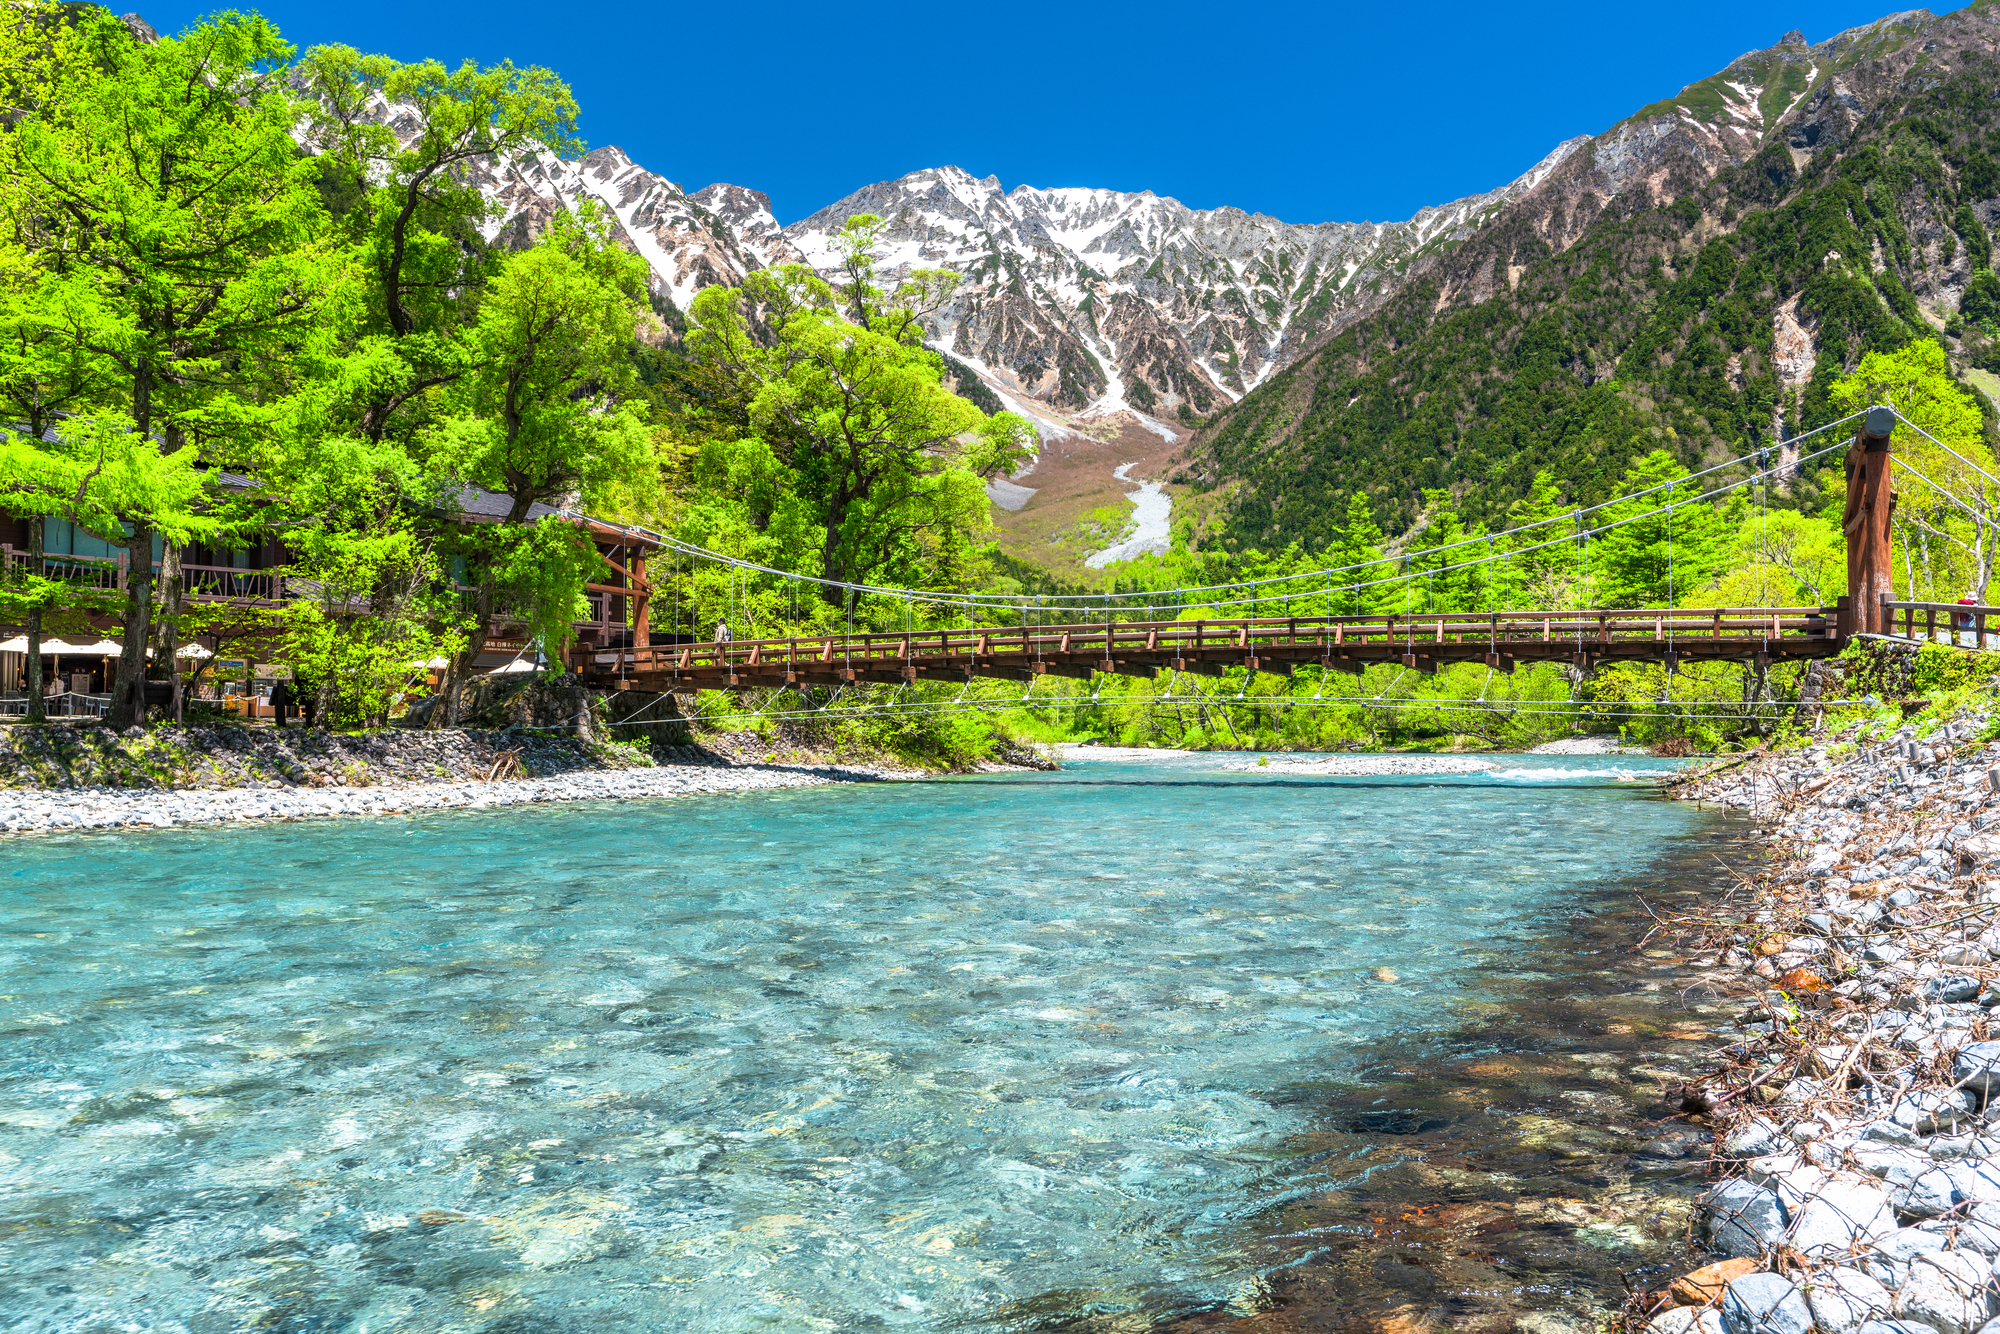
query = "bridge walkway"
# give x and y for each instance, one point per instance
(1421, 642)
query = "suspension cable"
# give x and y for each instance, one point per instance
(974, 599)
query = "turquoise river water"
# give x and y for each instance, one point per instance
(922, 1056)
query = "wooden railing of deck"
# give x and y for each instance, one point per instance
(1962, 623)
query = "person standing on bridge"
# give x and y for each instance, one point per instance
(722, 632)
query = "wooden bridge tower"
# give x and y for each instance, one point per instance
(1871, 500)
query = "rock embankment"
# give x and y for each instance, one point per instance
(1859, 1110)
(73, 755)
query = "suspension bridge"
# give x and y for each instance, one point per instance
(1128, 643)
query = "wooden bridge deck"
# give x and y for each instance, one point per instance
(1421, 643)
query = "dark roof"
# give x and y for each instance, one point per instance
(481, 504)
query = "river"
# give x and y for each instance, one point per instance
(997, 1052)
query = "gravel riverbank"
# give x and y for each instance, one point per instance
(41, 811)
(67, 777)
(1857, 1113)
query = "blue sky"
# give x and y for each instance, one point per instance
(1310, 113)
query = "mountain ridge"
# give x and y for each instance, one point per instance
(1077, 301)
(1695, 281)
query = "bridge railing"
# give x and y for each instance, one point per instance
(1589, 630)
(1962, 623)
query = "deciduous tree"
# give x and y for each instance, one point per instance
(845, 393)
(166, 176)
(546, 418)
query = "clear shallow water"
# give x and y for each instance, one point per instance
(925, 1057)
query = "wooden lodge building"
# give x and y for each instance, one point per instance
(252, 578)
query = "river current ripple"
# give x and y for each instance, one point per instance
(971, 1053)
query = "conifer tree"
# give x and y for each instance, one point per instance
(1356, 549)
(1434, 583)
(1543, 569)
(1658, 546)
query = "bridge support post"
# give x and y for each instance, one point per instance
(642, 605)
(1871, 499)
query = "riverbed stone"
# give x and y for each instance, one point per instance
(1828, 1213)
(1686, 1320)
(1743, 1218)
(1843, 1300)
(1977, 1067)
(1924, 1112)
(1947, 1290)
(1754, 1138)
(1952, 988)
(1765, 1304)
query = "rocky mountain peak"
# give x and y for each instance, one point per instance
(1079, 301)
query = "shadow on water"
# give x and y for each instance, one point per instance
(1514, 1173)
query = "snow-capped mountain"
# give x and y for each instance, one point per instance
(689, 241)
(1093, 300)
(1076, 302)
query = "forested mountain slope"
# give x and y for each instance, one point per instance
(1694, 278)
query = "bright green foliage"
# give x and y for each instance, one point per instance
(545, 418)
(1781, 559)
(420, 344)
(377, 615)
(160, 183)
(47, 369)
(413, 217)
(545, 414)
(882, 460)
(1651, 559)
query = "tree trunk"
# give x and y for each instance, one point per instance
(38, 709)
(167, 645)
(128, 697)
(460, 667)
